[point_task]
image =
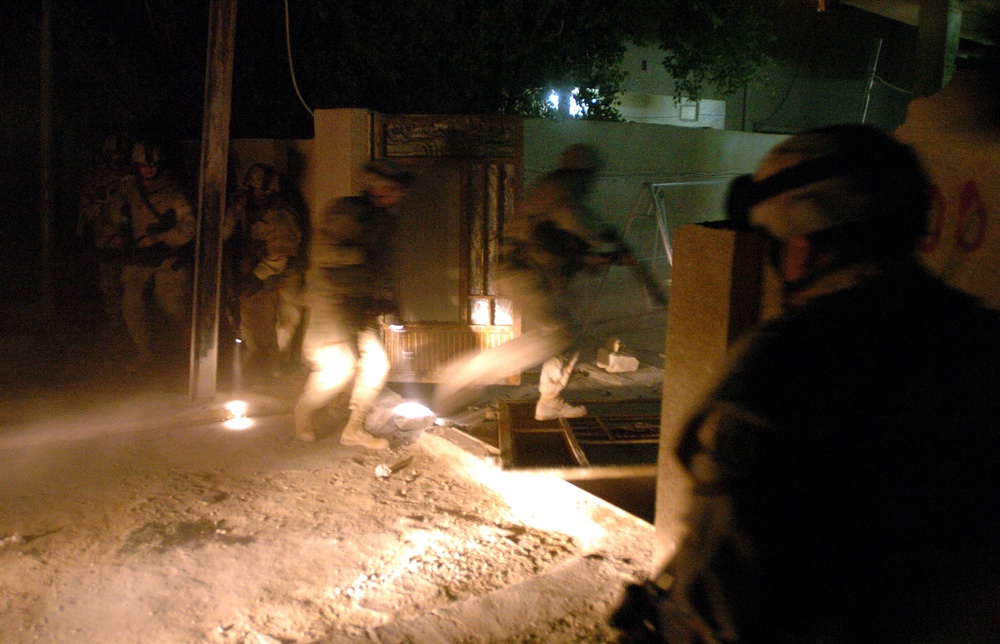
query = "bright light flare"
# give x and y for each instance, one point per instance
(480, 313)
(574, 105)
(411, 415)
(411, 410)
(335, 364)
(237, 415)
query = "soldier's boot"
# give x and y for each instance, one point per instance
(552, 380)
(552, 408)
(303, 425)
(354, 432)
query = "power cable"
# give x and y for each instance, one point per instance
(891, 86)
(291, 66)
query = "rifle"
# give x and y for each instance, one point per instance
(622, 250)
(550, 236)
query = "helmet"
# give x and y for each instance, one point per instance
(146, 153)
(266, 174)
(580, 157)
(839, 176)
(113, 143)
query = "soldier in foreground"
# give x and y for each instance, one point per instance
(349, 285)
(845, 486)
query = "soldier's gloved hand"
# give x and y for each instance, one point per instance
(609, 235)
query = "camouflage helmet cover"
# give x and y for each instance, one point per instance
(145, 153)
(267, 174)
(845, 175)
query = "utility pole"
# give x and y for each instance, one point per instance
(45, 159)
(212, 198)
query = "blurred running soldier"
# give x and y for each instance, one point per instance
(349, 285)
(554, 237)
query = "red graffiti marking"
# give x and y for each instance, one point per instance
(971, 223)
(936, 222)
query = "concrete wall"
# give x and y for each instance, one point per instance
(958, 139)
(341, 147)
(819, 75)
(647, 95)
(638, 155)
(663, 110)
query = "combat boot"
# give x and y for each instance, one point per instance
(303, 425)
(552, 408)
(354, 433)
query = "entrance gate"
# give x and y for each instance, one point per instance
(468, 182)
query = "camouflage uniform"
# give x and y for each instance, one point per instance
(161, 227)
(349, 285)
(270, 277)
(554, 237)
(100, 187)
(844, 472)
(845, 482)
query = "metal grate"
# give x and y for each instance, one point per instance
(616, 438)
(615, 429)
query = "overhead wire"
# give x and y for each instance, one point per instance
(291, 65)
(891, 86)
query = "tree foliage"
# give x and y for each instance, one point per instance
(716, 42)
(457, 56)
(471, 56)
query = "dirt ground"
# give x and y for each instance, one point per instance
(129, 514)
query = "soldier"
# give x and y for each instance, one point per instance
(269, 278)
(554, 238)
(101, 186)
(348, 286)
(156, 216)
(844, 469)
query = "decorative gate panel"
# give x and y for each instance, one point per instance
(448, 264)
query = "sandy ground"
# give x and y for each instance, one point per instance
(129, 514)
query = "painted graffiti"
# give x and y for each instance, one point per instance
(970, 223)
